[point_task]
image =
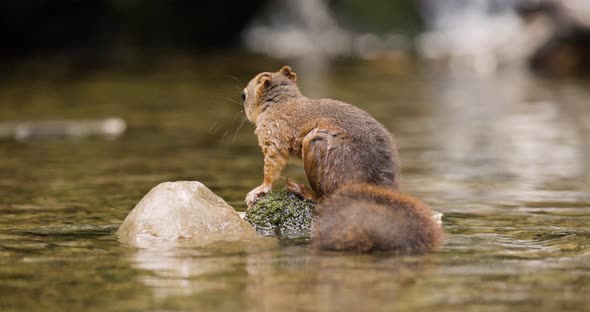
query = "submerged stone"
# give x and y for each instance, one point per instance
(282, 213)
(185, 210)
(29, 130)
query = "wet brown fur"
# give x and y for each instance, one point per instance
(363, 218)
(351, 164)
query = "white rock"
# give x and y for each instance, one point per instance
(184, 210)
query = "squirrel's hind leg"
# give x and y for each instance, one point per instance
(301, 190)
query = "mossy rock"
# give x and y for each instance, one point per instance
(283, 214)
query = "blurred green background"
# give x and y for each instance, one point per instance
(99, 29)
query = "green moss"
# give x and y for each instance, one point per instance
(281, 213)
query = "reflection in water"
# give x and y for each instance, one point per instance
(334, 282)
(509, 126)
(183, 270)
(276, 277)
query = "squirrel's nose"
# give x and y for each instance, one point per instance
(243, 96)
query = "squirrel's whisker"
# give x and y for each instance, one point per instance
(238, 129)
(232, 100)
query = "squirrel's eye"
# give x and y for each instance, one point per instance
(243, 96)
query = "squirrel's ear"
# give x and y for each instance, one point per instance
(264, 80)
(288, 72)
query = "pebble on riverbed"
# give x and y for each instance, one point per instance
(185, 210)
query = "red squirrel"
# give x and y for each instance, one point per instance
(351, 164)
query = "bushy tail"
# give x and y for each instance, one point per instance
(366, 218)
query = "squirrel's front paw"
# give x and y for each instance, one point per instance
(256, 193)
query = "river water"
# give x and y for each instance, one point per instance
(506, 158)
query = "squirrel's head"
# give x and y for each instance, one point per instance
(267, 89)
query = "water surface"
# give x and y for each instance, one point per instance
(506, 158)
